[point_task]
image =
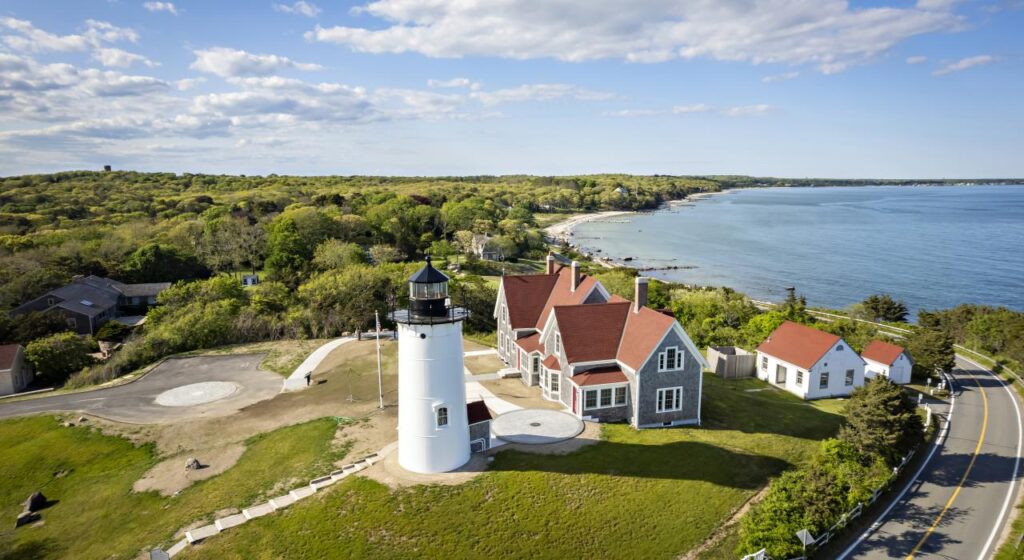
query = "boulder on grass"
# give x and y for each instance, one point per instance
(24, 518)
(35, 502)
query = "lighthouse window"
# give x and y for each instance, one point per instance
(435, 290)
(442, 416)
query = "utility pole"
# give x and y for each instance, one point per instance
(380, 374)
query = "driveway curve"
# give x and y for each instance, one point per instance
(136, 402)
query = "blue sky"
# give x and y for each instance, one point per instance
(795, 88)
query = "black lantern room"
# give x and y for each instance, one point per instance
(428, 299)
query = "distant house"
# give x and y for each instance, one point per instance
(485, 248)
(622, 191)
(887, 360)
(250, 279)
(15, 373)
(89, 301)
(809, 363)
(603, 357)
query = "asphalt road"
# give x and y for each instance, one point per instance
(960, 504)
(136, 402)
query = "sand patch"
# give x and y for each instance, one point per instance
(170, 476)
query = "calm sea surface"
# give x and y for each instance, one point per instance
(932, 247)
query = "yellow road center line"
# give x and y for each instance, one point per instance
(977, 451)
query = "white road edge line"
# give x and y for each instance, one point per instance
(939, 442)
(1016, 461)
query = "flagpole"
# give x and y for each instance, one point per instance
(380, 375)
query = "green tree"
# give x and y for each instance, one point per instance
(345, 300)
(382, 254)
(881, 421)
(932, 352)
(335, 253)
(162, 263)
(57, 356)
(287, 255)
(270, 297)
(883, 307)
(757, 329)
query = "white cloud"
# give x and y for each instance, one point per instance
(454, 83)
(826, 33)
(168, 7)
(301, 7)
(695, 108)
(964, 64)
(780, 77)
(29, 38)
(747, 110)
(228, 63)
(634, 113)
(917, 59)
(538, 92)
(110, 56)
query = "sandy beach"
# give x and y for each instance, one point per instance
(562, 231)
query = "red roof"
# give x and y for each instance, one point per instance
(600, 376)
(526, 296)
(7, 354)
(798, 344)
(531, 297)
(562, 293)
(882, 352)
(477, 412)
(591, 332)
(530, 343)
(641, 335)
(551, 362)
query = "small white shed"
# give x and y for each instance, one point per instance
(887, 360)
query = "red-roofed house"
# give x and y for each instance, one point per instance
(603, 357)
(887, 360)
(809, 363)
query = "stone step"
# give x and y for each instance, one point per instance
(204, 532)
(230, 521)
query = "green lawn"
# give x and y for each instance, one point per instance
(89, 476)
(646, 494)
(650, 494)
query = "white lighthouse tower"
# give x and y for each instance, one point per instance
(433, 431)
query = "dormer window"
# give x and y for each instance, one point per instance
(670, 359)
(558, 344)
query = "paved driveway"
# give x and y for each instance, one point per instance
(136, 402)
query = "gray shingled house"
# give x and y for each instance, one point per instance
(89, 301)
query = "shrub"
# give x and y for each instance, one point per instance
(57, 356)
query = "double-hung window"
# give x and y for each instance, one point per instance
(670, 399)
(604, 398)
(823, 382)
(558, 344)
(442, 416)
(800, 378)
(849, 377)
(670, 359)
(764, 363)
(620, 396)
(555, 377)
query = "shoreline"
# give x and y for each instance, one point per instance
(562, 232)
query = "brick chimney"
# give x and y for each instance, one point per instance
(639, 294)
(575, 275)
(551, 264)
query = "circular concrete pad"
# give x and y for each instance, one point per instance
(536, 426)
(196, 393)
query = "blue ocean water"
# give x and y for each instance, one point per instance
(931, 247)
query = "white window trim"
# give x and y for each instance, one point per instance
(558, 344)
(677, 397)
(850, 377)
(800, 378)
(448, 416)
(824, 376)
(597, 389)
(663, 359)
